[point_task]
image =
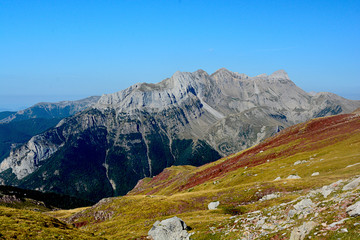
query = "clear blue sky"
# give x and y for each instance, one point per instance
(60, 50)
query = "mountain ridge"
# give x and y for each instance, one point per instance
(51, 109)
(189, 118)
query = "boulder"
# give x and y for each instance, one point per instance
(315, 174)
(352, 185)
(293, 177)
(169, 229)
(213, 205)
(270, 196)
(299, 233)
(300, 162)
(326, 190)
(304, 207)
(354, 210)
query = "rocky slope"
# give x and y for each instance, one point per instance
(303, 183)
(190, 118)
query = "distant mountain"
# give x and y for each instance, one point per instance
(188, 119)
(16, 128)
(49, 110)
(6, 114)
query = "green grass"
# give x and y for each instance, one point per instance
(24, 224)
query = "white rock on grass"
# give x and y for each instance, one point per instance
(315, 174)
(299, 233)
(304, 207)
(213, 205)
(277, 179)
(354, 210)
(326, 191)
(352, 185)
(334, 224)
(300, 162)
(270, 196)
(169, 229)
(292, 176)
(352, 165)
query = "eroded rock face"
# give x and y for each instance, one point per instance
(170, 229)
(190, 118)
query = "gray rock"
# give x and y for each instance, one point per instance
(352, 165)
(334, 224)
(277, 179)
(169, 229)
(300, 162)
(213, 205)
(315, 174)
(261, 221)
(304, 206)
(354, 210)
(352, 185)
(270, 196)
(299, 233)
(326, 191)
(292, 176)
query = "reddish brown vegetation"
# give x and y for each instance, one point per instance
(304, 137)
(80, 224)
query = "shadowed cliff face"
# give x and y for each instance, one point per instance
(190, 118)
(16, 128)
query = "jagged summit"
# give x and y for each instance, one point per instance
(181, 85)
(280, 74)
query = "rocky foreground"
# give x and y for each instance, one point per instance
(330, 212)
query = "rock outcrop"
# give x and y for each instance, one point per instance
(354, 210)
(213, 205)
(170, 229)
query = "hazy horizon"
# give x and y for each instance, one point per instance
(66, 50)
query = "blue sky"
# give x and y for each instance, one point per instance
(66, 50)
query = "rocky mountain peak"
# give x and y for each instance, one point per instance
(222, 72)
(280, 74)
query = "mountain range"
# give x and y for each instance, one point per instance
(187, 119)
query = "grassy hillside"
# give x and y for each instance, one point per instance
(321, 152)
(24, 224)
